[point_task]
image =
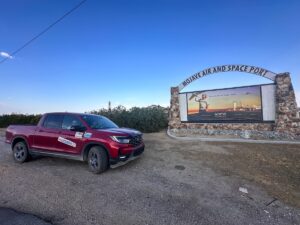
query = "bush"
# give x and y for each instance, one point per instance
(146, 119)
(13, 119)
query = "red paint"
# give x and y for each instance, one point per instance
(40, 138)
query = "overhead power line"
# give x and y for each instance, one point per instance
(45, 30)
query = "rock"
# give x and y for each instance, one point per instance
(286, 126)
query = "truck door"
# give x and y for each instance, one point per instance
(70, 141)
(46, 136)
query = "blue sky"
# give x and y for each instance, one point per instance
(132, 52)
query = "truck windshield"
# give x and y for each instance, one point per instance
(98, 122)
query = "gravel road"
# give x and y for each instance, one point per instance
(12, 217)
(174, 182)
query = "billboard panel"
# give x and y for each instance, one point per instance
(232, 104)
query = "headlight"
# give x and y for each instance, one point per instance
(120, 139)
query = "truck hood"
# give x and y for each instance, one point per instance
(121, 131)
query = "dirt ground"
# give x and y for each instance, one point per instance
(274, 167)
(2, 132)
(175, 182)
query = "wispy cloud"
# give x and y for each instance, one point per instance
(6, 55)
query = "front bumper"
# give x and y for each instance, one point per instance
(124, 159)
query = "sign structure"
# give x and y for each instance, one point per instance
(226, 104)
(229, 68)
(267, 111)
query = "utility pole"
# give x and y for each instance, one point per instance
(109, 106)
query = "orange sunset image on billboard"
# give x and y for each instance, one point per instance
(227, 104)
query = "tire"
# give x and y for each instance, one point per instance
(97, 160)
(20, 152)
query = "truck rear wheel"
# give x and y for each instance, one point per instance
(20, 152)
(97, 159)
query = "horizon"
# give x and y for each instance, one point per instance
(131, 53)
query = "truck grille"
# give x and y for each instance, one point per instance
(136, 140)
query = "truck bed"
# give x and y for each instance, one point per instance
(22, 130)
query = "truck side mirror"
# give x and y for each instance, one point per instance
(78, 128)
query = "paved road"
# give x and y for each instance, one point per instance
(165, 186)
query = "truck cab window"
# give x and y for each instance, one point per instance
(71, 121)
(53, 121)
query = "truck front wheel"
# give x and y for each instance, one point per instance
(20, 152)
(97, 159)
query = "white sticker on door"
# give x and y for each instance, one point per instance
(87, 135)
(67, 142)
(78, 134)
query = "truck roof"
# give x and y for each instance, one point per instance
(69, 113)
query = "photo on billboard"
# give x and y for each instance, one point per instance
(232, 104)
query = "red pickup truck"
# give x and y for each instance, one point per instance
(83, 137)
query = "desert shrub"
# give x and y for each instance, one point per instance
(146, 119)
(17, 119)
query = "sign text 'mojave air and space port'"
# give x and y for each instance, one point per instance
(229, 68)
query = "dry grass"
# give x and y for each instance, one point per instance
(275, 167)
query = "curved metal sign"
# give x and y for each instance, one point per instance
(229, 68)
